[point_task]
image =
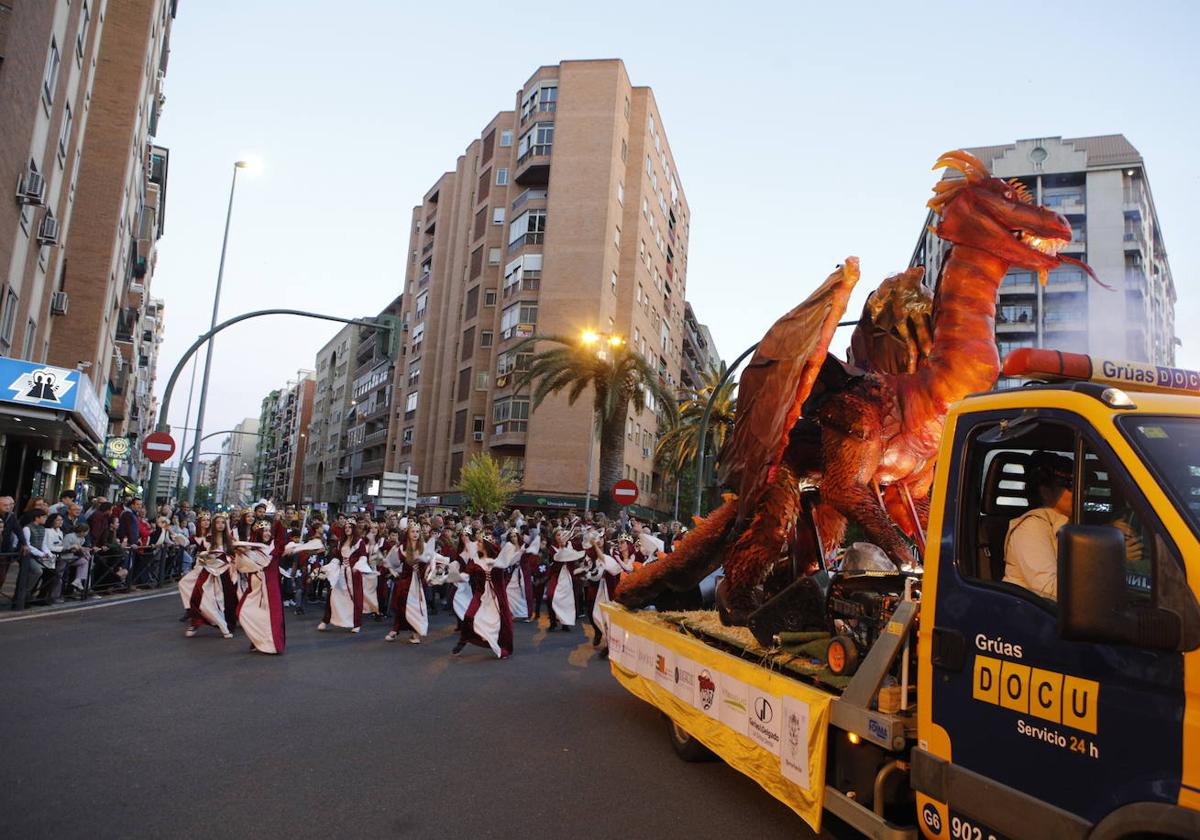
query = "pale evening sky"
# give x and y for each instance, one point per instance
(802, 133)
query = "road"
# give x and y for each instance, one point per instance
(115, 725)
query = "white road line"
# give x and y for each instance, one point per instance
(73, 610)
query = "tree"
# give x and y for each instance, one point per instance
(488, 485)
(675, 455)
(618, 376)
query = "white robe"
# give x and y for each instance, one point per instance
(462, 589)
(610, 566)
(516, 584)
(254, 617)
(341, 593)
(487, 619)
(212, 601)
(563, 603)
(370, 579)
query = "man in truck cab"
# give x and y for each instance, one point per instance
(1031, 546)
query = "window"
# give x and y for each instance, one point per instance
(613, 282)
(464, 384)
(65, 136)
(520, 319)
(617, 237)
(456, 462)
(460, 426)
(513, 362)
(481, 380)
(476, 262)
(471, 307)
(8, 320)
(626, 107)
(493, 256)
(30, 332)
(624, 150)
(480, 222)
(649, 165)
(85, 17)
(506, 137)
(501, 177)
(414, 372)
(537, 141)
(489, 297)
(468, 343)
(51, 78)
(620, 193)
(406, 438)
(530, 226)
(422, 305)
(477, 425)
(484, 188)
(488, 143)
(498, 216)
(485, 338)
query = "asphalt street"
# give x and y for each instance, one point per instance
(115, 725)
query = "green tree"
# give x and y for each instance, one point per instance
(488, 485)
(675, 454)
(619, 378)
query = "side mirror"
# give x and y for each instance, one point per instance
(1092, 593)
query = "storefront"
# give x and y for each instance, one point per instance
(52, 430)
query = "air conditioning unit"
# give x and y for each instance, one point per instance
(479, 436)
(48, 230)
(31, 188)
(58, 303)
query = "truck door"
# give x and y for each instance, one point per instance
(1084, 727)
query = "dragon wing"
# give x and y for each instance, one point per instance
(895, 332)
(776, 383)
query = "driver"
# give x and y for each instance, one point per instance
(1031, 546)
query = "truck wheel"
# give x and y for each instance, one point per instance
(685, 746)
(842, 656)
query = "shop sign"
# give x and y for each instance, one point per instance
(45, 386)
(117, 448)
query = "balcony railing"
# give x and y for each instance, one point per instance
(510, 427)
(538, 150)
(527, 284)
(427, 247)
(528, 195)
(531, 238)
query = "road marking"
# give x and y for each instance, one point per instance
(73, 610)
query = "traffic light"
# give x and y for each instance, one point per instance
(389, 338)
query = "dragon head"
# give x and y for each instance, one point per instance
(999, 217)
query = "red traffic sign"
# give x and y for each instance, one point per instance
(158, 446)
(625, 492)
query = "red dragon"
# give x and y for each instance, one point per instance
(865, 436)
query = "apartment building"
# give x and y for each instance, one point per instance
(326, 451)
(283, 440)
(235, 468)
(367, 420)
(1100, 185)
(566, 214)
(700, 357)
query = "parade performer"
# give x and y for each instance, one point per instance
(531, 559)
(560, 586)
(459, 580)
(206, 590)
(303, 554)
(615, 561)
(488, 621)
(380, 549)
(260, 611)
(406, 565)
(345, 605)
(520, 587)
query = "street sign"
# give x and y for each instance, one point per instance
(117, 447)
(158, 446)
(625, 492)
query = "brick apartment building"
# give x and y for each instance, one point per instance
(80, 95)
(326, 450)
(283, 440)
(566, 214)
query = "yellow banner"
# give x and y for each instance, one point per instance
(770, 727)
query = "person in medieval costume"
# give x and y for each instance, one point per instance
(344, 573)
(406, 565)
(488, 621)
(303, 555)
(519, 588)
(459, 581)
(560, 586)
(380, 550)
(616, 560)
(208, 591)
(260, 611)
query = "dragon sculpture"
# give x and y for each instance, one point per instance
(865, 434)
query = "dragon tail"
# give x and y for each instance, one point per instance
(696, 558)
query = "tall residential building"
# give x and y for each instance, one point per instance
(700, 357)
(283, 439)
(566, 214)
(326, 451)
(1100, 185)
(80, 96)
(235, 477)
(368, 418)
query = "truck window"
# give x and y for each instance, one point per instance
(1102, 501)
(1170, 446)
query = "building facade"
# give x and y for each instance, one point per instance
(566, 214)
(700, 357)
(332, 396)
(283, 440)
(1100, 185)
(80, 94)
(368, 419)
(235, 469)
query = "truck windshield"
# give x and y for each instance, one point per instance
(1171, 448)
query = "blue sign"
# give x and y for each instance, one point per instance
(45, 386)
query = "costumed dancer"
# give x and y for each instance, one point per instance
(616, 561)
(205, 590)
(367, 566)
(458, 578)
(488, 621)
(260, 611)
(560, 586)
(345, 605)
(406, 565)
(520, 587)
(379, 552)
(647, 547)
(303, 554)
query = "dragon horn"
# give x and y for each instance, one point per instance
(964, 162)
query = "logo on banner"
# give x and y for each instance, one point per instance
(42, 386)
(708, 689)
(793, 731)
(763, 710)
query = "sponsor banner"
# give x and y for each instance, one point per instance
(772, 728)
(61, 389)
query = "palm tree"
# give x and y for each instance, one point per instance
(619, 377)
(675, 454)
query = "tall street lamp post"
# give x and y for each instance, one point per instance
(195, 466)
(590, 338)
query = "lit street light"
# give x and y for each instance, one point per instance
(590, 338)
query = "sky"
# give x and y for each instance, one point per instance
(802, 132)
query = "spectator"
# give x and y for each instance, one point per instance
(34, 561)
(129, 532)
(71, 517)
(98, 523)
(12, 538)
(65, 499)
(75, 555)
(36, 503)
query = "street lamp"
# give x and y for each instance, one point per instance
(591, 338)
(251, 166)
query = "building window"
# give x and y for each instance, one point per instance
(421, 306)
(537, 141)
(620, 193)
(407, 438)
(480, 222)
(501, 177)
(477, 426)
(489, 297)
(476, 262)
(481, 380)
(464, 384)
(530, 227)
(8, 320)
(488, 143)
(493, 256)
(65, 136)
(485, 338)
(613, 282)
(51, 79)
(85, 17)
(411, 403)
(485, 186)
(414, 372)
(624, 150)
(30, 332)
(468, 343)
(626, 107)
(498, 216)
(506, 137)
(460, 426)
(617, 237)
(471, 307)
(520, 319)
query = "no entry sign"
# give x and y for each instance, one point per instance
(625, 492)
(158, 446)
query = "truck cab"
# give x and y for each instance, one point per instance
(1069, 706)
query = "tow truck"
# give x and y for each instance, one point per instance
(1071, 717)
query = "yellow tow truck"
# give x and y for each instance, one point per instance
(978, 709)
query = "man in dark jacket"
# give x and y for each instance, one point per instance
(130, 530)
(12, 540)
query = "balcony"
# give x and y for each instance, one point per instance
(427, 247)
(527, 196)
(1069, 203)
(371, 467)
(533, 167)
(1135, 280)
(531, 238)
(1066, 280)
(1135, 240)
(508, 433)
(527, 284)
(376, 437)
